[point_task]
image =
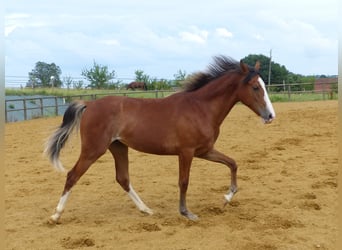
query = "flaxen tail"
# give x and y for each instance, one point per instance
(56, 141)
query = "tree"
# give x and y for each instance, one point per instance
(99, 76)
(78, 84)
(180, 76)
(140, 76)
(68, 81)
(152, 83)
(264, 62)
(45, 75)
(160, 84)
(279, 74)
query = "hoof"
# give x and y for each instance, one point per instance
(190, 216)
(193, 217)
(52, 221)
(228, 198)
(147, 211)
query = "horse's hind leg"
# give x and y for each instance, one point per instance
(185, 159)
(82, 165)
(216, 156)
(120, 154)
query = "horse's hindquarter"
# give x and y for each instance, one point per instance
(160, 126)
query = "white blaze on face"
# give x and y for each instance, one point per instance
(269, 106)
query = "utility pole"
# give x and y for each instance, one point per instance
(269, 71)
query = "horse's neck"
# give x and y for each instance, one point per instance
(219, 96)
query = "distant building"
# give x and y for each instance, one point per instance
(325, 84)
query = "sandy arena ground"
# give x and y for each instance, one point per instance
(287, 195)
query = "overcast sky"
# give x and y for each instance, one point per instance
(161, 37)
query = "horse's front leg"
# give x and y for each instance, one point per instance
(217, 156)
(185, 159)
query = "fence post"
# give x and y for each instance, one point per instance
(56, 103)
(41, 107)
(25, 110)
(289, 92)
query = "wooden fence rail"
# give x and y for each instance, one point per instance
(26, 108)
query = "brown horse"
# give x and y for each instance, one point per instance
(185, 124)
(136, 85)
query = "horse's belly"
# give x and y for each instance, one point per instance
(153, 146)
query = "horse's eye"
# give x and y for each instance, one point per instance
(255, 87)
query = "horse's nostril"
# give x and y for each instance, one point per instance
(270, 116)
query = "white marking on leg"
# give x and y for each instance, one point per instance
(228, 197)
(60, 207)
(137, 201)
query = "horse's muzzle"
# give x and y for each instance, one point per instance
(268, 119)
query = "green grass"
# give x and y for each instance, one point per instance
(302, 97)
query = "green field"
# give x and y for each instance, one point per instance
(302, 97)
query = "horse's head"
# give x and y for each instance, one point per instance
(253, 93)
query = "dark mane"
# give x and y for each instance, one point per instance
(219, 67)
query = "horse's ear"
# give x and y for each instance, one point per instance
(257, 65)
(244, 67)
